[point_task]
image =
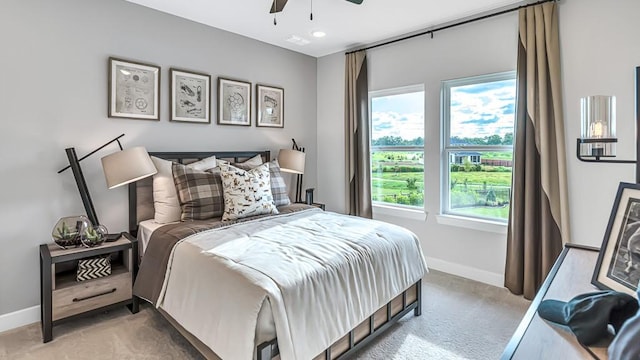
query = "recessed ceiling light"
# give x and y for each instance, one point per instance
(318, 34)
(298, 40)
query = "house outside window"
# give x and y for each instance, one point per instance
(459, 157)
(478, 116)
(397, 146)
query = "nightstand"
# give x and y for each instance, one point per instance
(62, 297)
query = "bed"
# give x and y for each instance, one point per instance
(302, 284)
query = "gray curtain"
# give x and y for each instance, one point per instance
(539, 218)
(356, 116)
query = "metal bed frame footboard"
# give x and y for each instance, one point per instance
(269, 349)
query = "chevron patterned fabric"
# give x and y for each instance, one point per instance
(93, 268)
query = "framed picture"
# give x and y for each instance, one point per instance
(618, 266)
(234, 102)
(270, 106)
(190, 100)
(133, 90)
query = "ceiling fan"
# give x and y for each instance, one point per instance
(278, 5)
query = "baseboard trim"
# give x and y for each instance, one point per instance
(19, 318)
(468, 272)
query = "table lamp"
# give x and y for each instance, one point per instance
(120, 168)
(292, 161)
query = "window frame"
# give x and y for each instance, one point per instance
(446, 149)
(382, 207)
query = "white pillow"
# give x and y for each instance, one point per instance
(165, 196)
(245, 165)
(246, 192)
(204, 164)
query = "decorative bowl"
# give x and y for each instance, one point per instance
(94, 235)
(67, 231)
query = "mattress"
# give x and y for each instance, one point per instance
(145, 229)
(308, 266)
(289, 274)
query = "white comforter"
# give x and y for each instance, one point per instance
(322, 274)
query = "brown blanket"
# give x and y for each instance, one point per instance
(150, 277)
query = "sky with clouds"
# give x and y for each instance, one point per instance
(398, 115)
(480, 110)
(477, 110)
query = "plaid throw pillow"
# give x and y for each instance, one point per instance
(278, 186)
(246, 193)
(199, 192)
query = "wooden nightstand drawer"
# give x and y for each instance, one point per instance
(91, 294)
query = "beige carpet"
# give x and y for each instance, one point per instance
(461, 319)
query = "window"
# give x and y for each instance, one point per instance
(397, 146)
(478, 116)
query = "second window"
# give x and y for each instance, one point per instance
(478, 126)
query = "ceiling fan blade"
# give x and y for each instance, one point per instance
(278, 5)
(358, 2)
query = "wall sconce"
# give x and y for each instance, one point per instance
(598, 130)
(591, 145)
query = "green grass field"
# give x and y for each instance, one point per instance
(392, 186)
(498, 155)
(479, 177)
(399, 176)
(499, 212)
(388, 185)
(399, 180)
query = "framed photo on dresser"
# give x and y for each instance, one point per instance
(618, 266)
(133, 90)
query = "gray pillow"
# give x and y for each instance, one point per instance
(278, 186)
(199, 193)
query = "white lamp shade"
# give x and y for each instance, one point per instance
(291, 161)
(127, 166)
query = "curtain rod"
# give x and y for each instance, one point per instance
(427, 32)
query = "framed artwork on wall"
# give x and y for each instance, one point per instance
(133, 90)
(618, 266)
(270, 106)
(234, 102)
(190, 96)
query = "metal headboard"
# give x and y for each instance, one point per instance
(136, 188)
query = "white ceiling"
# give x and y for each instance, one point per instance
(347, 25)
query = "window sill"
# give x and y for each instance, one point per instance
(471, 223)
(397, 211)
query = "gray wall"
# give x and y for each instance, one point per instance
(53, 95)
(599, 43)
(599, 54)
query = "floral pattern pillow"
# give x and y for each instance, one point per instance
(246, 192)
